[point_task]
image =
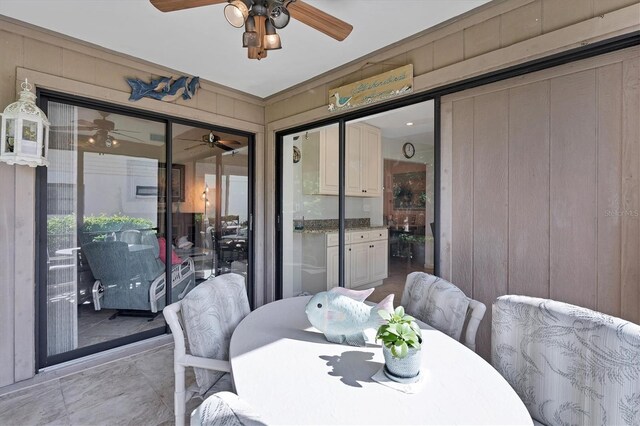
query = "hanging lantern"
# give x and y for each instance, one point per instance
(25, 131)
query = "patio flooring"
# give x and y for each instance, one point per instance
(137, 390)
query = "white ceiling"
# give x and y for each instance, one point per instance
(200, 42)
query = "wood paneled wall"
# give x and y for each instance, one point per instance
(541, 187)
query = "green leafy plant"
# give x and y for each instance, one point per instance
(116, 222)
(399, 333)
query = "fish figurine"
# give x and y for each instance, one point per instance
(342, 315)
(164, 88)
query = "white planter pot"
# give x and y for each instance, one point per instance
(405, 369)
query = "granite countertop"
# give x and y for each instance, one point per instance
(329, 230)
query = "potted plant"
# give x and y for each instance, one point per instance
(401, 339)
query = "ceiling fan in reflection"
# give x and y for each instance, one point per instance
(213, 141)
(105, 132)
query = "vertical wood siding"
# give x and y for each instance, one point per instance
(7, 281)
(545, 187)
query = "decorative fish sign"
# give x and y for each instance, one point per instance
(164, 87)
(342, 316)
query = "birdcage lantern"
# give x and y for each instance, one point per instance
(25, 131)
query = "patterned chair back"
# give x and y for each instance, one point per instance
(210, 314)
(443, 306)
(569, 365)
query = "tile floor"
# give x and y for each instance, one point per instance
(96, 327)
(399, 268)
(137, 390)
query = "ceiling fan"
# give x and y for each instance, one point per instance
(213, 141)
(104, 131)
(261, 18)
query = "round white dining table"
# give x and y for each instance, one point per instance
(290, 374)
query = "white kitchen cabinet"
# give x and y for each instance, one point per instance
(320, 162)
(366, 258)
(360, 264)
(378, 260)
(363, 162)
(371, 157)
(353, 161)
(333, 266)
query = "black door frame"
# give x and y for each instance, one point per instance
(44, 97)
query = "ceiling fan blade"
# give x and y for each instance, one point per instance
(125, 130)
(230, 142)
(71, 128)
(223, 146)
(321, 21)
(128, 136)
(172, 5)
(86, 123)
(189, 140)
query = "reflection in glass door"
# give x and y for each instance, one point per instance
(390, 188)
(310, 211)
(389, 203)
(105, 272)
(211, 218)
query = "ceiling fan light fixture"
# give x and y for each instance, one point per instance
(271, 40)
(250, 37)
(279, 15)
(236, 13)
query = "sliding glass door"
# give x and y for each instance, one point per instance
(388, 211)
(109, 262)
(211, 219)
(104, 267)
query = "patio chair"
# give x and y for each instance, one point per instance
(568, 364)
(225, 408)
(443, 306)
(207, 315)
(132, 278)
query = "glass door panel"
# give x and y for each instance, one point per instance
(390, 198)
(104, 270)
(211, 218)
(389, 203)
(310, 211)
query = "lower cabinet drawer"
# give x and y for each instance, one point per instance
(359, 237)
(333, 239)
(380, 234)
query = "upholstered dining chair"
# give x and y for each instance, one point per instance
(443, 306)
(225, 409)
(568, 364)
(206, 316)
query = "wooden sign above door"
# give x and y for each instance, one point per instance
(373, 89)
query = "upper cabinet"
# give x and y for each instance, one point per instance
(320, 162)
(370, 161)
(363, 162)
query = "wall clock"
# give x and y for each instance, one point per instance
(408, 150)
